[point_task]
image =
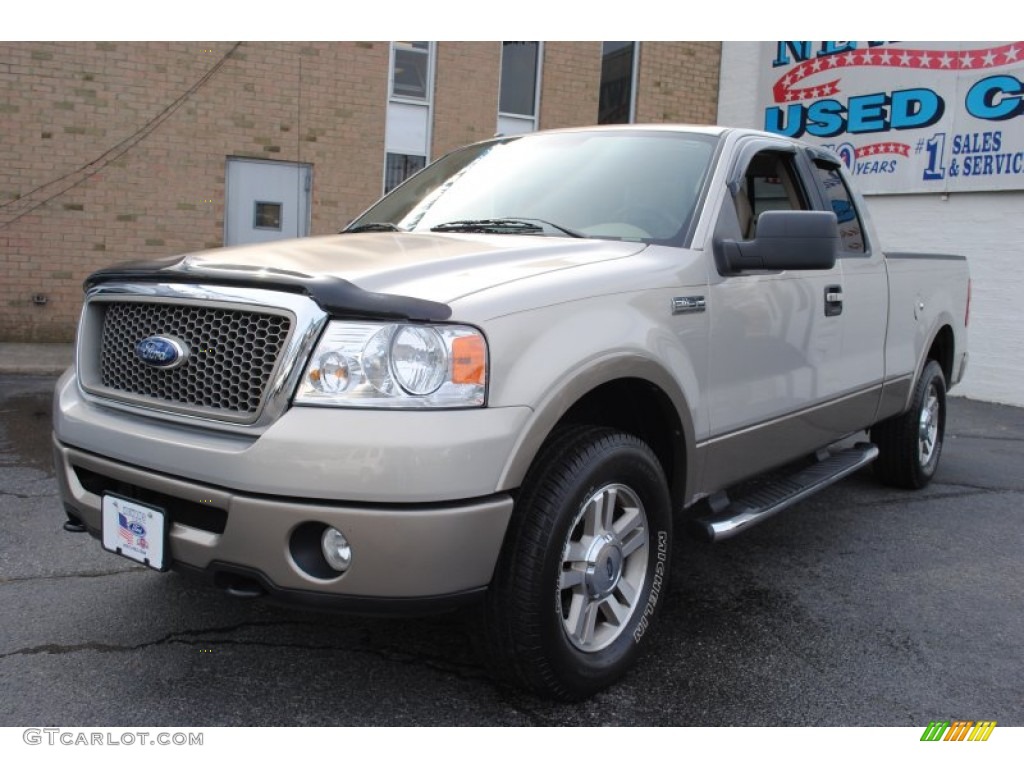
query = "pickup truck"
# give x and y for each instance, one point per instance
(509, 382)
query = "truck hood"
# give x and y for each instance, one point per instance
(432, 268)
(437, 267)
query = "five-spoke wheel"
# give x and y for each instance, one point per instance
(584, 566)
(604, 567)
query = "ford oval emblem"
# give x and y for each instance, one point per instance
(161, 352)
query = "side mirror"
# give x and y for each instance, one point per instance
(785, 240)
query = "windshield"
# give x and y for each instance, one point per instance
(638, 186)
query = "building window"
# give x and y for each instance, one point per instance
(267, 216)
(410, 70)
(520, 80)
(401, 167)
(410, 105)
(618, 82)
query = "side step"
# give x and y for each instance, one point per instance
(775, 496)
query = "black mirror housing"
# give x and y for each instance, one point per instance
(785, 240)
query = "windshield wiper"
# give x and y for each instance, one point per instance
(490, 226)
(372, 226)
(559, 227)
(506, 225)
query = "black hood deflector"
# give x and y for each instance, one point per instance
(336, 296)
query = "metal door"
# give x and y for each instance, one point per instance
(775, 389)
(266, 200)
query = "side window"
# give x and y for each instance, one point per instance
(851, 233)
(770, 183)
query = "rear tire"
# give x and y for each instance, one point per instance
(909, 445)
(584, 565)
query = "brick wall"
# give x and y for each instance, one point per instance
(678, 82)
(571, 83)
(465, 94)
(117, 151)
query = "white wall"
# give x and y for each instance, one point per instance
(739, 85)
(988, 228)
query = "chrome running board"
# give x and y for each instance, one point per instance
(764, 501)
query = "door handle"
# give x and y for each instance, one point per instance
(833, 300)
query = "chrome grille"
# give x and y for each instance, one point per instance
(232, 355)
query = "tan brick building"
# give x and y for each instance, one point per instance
(119, 151)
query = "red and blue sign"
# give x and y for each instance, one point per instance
(906, 117)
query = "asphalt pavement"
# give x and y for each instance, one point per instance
(861, 606)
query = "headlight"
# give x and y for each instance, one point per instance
(392, 365)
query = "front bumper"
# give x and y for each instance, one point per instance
(415, 493)
(399, 551)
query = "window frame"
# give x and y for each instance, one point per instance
(268, 227)
(426, 103)
(430, 53)
(633, 81)
(538, 79)
(406, 155)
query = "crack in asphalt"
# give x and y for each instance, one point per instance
(975, 490)
(60, 576)
(169, 638)
(14, 495)
(984, 488)
(191, 637)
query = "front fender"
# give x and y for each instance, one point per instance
(551, 358)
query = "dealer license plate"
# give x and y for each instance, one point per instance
(136, 531)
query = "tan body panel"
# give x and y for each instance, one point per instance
(755, 371)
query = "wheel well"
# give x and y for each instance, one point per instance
(942, 350)
(640, 408)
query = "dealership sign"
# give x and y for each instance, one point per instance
(904, 117)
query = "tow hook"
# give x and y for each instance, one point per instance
(239, 586)
(73, 524)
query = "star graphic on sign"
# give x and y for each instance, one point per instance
(905, 60)
(851, 59)
(867, 58)
(965, 61)
(1011, 53)
(816, 66)
(885, 58)
(989, 58)
(925, 61)
(945, 61)
(833, 61)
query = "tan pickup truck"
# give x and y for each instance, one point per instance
(509, 382)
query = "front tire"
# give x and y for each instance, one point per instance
(584, 565)
(909, 445)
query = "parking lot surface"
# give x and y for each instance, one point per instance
(861, 606)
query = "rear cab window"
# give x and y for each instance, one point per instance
(837, 195)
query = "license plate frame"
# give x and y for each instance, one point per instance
(135, 530)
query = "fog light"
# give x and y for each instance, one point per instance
(337, 552)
